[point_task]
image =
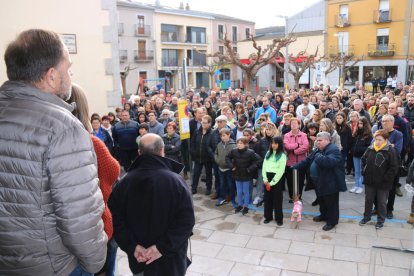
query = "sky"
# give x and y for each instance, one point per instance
(263, 12)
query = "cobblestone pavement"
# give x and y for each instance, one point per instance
(225, 243)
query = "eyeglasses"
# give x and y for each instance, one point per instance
(283, 111)
(262, 120)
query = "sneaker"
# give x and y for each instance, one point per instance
(364, 221)
(194, 192)
(221, 202)
(379, 225)
(398, 192)
(390, 215)
(266, 221)
(359, 191)
(260, 203)
(256, 200)
(279, 223)
(245, 210)
(315, 202)
(328, 227)
(238, 209)
(353, 190)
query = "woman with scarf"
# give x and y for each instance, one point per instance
(380, 165)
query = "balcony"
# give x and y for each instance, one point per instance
(382, 16)
(381, 50)
(174, 38)
(342, 20)
(344, 50)
(120, 28)
(143, 56)
(142, 30)
(123, 56)
(171, 62)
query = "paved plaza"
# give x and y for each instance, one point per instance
(225, 243)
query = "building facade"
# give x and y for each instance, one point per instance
(91, 40)
(378, 33)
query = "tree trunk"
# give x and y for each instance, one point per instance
(248, 81)
(123, 83)
(212, 80)
(297, 81)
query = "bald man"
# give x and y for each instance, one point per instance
(152, 212)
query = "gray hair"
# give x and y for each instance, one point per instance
(324, 135)
(152, 146)
(389, 117)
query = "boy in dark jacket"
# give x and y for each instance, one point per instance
(245, 163)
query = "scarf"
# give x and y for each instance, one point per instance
(377, 149)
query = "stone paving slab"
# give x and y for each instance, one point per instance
(311, 249)
(269, 244)
(229, 239)
(332, 267)
(285, 261)
(253, 270)
(241, 255)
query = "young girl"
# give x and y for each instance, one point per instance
(273, 169)
(245, 164)
(362, 140)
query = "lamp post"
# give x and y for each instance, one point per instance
(192, 65)
(286, 64)
(341, 56)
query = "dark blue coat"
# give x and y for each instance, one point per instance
(330, 170)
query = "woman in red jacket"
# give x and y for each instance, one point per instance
(108, 173)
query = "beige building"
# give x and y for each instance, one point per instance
(88, 29)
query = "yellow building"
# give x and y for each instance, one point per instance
(379, 32)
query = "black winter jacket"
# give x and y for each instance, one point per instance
(202, 146)
(245, 163)
(172, 146)
(152, 205)
(360, 145)
(262, 147)
(380, 168)
(346, 138)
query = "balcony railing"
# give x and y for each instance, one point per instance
(197, 62)
(142, 30)
(381, 50)
(120, 28)
(123, 55)
(342, 20)
(344, 50)
(382, 16)
(143, 56)
(171, 37)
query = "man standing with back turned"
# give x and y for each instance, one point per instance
(50, 201)
(152, 212)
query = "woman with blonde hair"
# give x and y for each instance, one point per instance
(327, 126)
(108, 173)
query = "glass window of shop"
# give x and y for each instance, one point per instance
(351, 75)
(378, 72)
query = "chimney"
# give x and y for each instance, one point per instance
(187, 7)
(181, 6)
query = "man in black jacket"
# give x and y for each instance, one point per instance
(153, 213)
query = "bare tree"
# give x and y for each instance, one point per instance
(336, 61)
(258, 59)
(124, 75)
(299, 63)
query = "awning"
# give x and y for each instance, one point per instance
(279, 60)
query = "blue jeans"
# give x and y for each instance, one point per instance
(243, 195)
(111, 257)
(226, 184)
(358, 172)
(78, 271)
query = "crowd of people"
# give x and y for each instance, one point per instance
(232, 138)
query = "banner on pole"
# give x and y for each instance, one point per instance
(184, 120)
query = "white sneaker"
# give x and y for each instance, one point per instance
(359, 191)
(256, 200)
(353, 190)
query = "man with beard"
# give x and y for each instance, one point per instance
(50, 201)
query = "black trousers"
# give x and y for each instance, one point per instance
(380, 196)
(126, 157)
(197, 172)
(329, 208)
(289, 180)
(391, 195)
(273, 202)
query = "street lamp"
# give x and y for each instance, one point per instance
(341, 67)
(286, 64)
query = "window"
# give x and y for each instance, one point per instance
(196, 35)
(220, 32)
(169, 33)
(199, 58)
(225, 74)
(169, 57)
(221, 49)
(382, 39)
(343, 11)
(234, 33)
(140, 19)
(247, 33)
(384, 10)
